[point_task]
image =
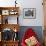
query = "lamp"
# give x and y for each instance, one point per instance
(15, 3)
(15, 37)
(15, 30)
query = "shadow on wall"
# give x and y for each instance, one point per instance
(37, 29)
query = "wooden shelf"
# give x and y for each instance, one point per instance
(3, 8)
(9, 43)
(10, 9)
(10, 26)
(5, 25)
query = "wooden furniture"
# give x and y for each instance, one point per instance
(0, 43)
(7, 23)
(5, 12)
(44, 8)
(45, 37)
(10, 43)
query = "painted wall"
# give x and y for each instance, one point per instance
(28, 22)
(27, 4)
(39, 13)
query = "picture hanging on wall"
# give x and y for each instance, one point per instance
(29, 13)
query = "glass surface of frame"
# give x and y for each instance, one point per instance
(29, 13)
(5, 12)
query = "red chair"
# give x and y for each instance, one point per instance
(29, 33)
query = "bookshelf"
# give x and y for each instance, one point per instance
(9, 21)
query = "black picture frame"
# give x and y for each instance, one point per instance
(29, 13)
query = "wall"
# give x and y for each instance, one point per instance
(28, 22)
(7, 3)
(39, 13)
(27, 4)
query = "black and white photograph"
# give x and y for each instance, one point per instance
(29, 13)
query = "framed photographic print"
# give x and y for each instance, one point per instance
(5, 12)
(29, 13)
(13, 12)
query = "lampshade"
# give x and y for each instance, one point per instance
(15, 30)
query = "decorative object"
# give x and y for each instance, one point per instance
(13, 12)
(5, 12)
(31, 41)
(7, 34)
(30, 38)
(29, 13)
(6, 21)
(15, 36)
